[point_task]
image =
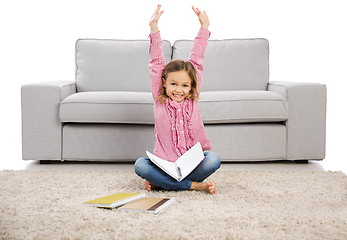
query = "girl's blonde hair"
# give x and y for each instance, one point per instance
(175, 66)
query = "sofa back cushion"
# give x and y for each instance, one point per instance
(232, 64)
(114, 65)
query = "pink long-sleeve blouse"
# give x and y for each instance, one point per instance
(178, 127)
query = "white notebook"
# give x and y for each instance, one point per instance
(183, 166)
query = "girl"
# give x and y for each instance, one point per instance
(178, 124)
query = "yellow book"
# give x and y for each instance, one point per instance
(115, 200)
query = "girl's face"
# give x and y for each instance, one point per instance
(177, 85)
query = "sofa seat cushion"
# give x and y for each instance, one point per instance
(137, 107)
(242, 106)
(108, 107)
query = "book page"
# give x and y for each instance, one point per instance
(190, 160)
(166, 166)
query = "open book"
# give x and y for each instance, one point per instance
(183, 166)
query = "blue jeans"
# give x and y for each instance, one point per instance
(149, 171)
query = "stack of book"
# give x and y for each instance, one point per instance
(132, 202)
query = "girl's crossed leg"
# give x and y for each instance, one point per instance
(194, 181)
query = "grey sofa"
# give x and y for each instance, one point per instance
(106, 113)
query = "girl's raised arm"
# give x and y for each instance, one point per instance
(157, 61)
(197, 53)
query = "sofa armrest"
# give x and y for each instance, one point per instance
(306, 124)
(41, 126)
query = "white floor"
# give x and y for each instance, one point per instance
(325, 165)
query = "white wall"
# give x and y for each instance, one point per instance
(307, 44)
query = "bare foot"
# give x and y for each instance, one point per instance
(149, 186)
(209, 187)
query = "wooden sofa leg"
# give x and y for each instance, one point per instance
(301, 161)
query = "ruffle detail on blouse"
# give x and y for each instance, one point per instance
(187, 121)
(172, 113)
(186, 106)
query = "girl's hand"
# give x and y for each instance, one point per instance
(153, 22)
(203, 18)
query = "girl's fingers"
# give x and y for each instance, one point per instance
(198, 11)
(160, 14)
(157, 10)
(157, 13)
(195, 10)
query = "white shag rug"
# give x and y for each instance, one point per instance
(247, 205)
